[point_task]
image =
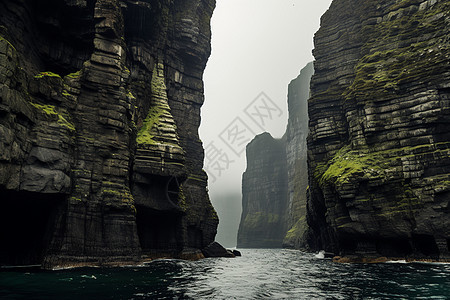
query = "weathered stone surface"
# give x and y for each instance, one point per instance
(378, 148)
(264, 194)
(99, 114)
(296, 153)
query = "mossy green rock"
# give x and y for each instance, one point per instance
(379, 150)
(100, 158)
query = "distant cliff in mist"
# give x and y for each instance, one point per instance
(274, 184)
(296, 154)
(264, 190)
(378, 149)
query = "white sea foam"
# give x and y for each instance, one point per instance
(396, 262)
(321, 254)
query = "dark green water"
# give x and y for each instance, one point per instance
(258, 274)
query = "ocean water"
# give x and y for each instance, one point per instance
(258, 274)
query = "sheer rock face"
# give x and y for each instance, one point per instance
(275, 167)
(296, 153)
(100, 159)
(264, 194)
(378, 148)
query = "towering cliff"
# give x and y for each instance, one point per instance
(264, 194)
(378, 148)
(100, 159)
(296, 153)
(275, 167)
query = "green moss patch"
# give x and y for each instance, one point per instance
(260, 220)
(298, 230)
(348, 164)
(61, 117)
(159, 126)
(153, 118)
(46, 74)
(124, 195)
(396, 53)
(74, 75)
(2, 39)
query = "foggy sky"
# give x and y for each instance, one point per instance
(257, 46)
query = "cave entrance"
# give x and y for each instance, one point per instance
(394, 247)
(27, 222)
(426, 245)
(158, 231)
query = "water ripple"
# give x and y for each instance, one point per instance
(258, 274)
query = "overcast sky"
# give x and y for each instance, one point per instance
(258, 47)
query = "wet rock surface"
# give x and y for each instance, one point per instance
(99, 114)
(378, 148)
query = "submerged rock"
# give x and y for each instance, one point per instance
(100, 159)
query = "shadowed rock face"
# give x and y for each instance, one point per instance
(100, 159)
(378, 148)
(264, 194)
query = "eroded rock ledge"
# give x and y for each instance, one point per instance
(100, 159)
(379, 150)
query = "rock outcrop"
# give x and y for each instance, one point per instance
(216, 250)
(264, 194)
(379, 142)
(100, 159)
(296, 153)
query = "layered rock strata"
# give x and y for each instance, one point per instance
(264, 194)
(378, 148)
(296, 153)
(100, 159)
